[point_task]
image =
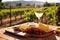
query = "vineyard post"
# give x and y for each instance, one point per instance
(10, 14)
(1, 20)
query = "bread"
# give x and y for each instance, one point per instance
(23, 27)
(43, 35)
(57, 30)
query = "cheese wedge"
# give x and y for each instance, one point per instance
(43, 27)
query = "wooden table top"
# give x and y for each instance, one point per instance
(5, 36)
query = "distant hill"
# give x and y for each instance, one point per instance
(24, 2)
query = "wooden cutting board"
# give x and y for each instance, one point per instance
(22, 34)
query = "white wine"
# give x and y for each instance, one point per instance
(38, 15)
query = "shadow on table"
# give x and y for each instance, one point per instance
(51, 37)
(58, 35)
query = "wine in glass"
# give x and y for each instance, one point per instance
(38, 15)
(39, 12)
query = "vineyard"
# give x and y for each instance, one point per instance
(51, 13)
(29, 18)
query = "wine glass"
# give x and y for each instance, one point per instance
(38, 15)
(39, 12)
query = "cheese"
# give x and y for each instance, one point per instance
(43, 27)
(23, 27)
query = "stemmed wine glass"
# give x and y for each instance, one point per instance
(37, 13)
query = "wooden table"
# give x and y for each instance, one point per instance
(5, 36)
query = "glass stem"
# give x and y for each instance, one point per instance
(39, 20)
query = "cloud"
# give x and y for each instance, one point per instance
(33, 0)
(9, 0)
(53, 0)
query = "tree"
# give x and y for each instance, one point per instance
(1, 7)
(58, 15)
(0, 0)
(47, 4)
(19, 4)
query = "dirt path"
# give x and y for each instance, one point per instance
(6, 21)
(12, 18)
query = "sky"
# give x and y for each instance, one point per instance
(51, 1)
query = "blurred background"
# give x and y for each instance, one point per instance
(13, 12)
